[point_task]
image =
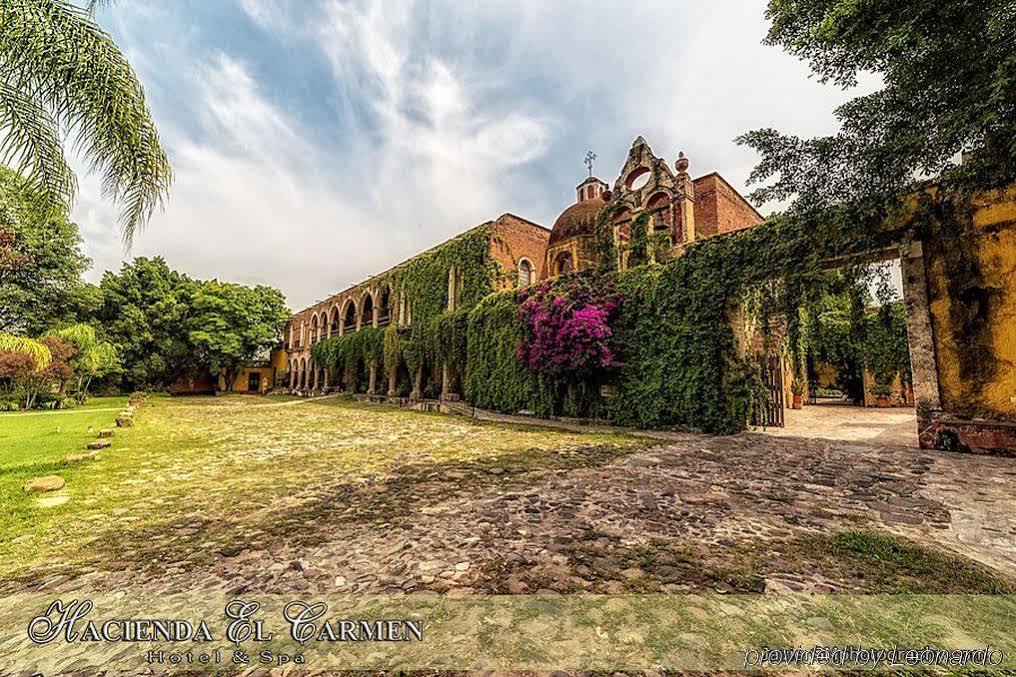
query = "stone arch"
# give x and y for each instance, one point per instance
(314, 328)
(637, 178)
(658, 205)
(526, 272)
(384, 309)
(366, 310)
(333, 320)
(563, 263)
(348, 321)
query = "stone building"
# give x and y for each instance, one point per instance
(516, 245)
(681, 210)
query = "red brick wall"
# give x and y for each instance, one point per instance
(515, 238)
(719, 208)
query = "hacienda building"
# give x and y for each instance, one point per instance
(682, 210)
(963, 397)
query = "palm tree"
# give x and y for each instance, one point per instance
(62, 75)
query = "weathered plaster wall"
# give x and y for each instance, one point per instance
(990, 391)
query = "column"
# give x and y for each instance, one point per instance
(920, 334)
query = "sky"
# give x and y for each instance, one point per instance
(318, 142)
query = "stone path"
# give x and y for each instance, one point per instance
(893, 426)
(696, 513)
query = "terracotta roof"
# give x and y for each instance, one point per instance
(577, 220)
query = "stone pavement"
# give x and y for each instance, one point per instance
(694, 513)
(827, 421)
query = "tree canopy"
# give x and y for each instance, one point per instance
(143, 310)
(231, 325)
(949, 86)
(41, 287)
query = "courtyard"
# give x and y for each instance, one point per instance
(238, 494)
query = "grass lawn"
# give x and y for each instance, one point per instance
(198, 477)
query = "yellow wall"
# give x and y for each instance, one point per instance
(242, 380)
(994, 230)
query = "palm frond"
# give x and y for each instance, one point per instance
(52, 51)
(99, 4)
(32, 146)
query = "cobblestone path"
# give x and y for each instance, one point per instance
(696, 513)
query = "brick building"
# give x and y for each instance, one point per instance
(680, 210)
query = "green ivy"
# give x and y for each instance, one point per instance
(639, 246)
(494, 377)
(885, 350)
(424, 281)
(346, 354)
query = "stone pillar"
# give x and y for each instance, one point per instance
(446, 382)
(417, 384)
(324, 385)
(372, 384)
(392, 381)
(920, 334)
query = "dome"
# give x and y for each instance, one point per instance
(577, 220)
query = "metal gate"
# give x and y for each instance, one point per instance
(771, 415)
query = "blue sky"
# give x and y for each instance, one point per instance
(316, 142)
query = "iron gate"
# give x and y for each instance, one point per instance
(771, 414)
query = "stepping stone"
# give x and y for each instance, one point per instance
(52, 500)
(124, 421)
(99, 444)
(107, 432)
(77, 458)
(43, 484)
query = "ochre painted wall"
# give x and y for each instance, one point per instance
(993, 228)
(243, 380)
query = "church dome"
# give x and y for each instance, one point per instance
(577, 220)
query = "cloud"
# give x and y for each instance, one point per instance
(316, 142)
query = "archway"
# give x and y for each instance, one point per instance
(563, 263)
(384, 314)
(349, 317)
(367, 311)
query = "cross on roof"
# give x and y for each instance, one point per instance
(590, 159)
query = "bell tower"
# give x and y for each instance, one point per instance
(592, 188)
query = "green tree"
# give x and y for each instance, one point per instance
(949, 85)
(22, 362)
(60, 72)
(42, 287)
(93, 358)
(143, 309)
(232, 325)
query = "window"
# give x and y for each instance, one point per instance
(525, 273)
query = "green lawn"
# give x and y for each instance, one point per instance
(34, 442)
(195, 477)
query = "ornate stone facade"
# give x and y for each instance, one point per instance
(681, 210)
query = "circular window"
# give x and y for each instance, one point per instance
(638, 179)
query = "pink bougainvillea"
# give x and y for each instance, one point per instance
(568, 324)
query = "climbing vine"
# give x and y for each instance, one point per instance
(639, 246)
(424, 281)
(495, 378)
(603, 239)
(345, 355)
